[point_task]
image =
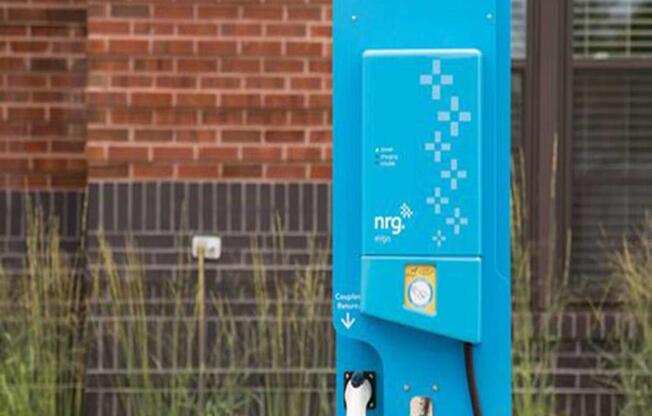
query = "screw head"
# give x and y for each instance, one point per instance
(354, 18)
(406, 387)
(490, 16)
(435, 388)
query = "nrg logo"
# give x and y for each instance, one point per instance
(394, 224)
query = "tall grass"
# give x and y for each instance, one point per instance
(538, 301)
(293, 337)
(632, 361)
(162, 348)
(42, 337)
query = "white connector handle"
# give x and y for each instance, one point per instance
(357, 396)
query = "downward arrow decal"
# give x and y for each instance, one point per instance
(348, 322)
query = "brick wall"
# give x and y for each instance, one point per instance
(209, 89)
(42, 79)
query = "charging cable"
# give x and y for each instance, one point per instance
(471, 380)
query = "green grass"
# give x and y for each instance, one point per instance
(42, 337)
(276, 357)
(630, 358)
(534, 341)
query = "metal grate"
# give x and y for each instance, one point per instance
(612, 28)
(612, 164)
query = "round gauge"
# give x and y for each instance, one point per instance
(420, 292)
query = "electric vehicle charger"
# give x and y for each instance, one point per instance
(421, 285)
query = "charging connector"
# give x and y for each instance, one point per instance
(359, 393)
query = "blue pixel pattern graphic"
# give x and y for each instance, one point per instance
(421, 154)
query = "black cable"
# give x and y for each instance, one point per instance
(470, 378)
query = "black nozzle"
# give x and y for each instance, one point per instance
(358, 379)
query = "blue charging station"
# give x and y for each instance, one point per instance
(421, 290)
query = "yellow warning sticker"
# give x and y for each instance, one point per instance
(420, 288)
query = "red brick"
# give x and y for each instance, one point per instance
(261, 12)
(153, 135)
(50, 165)
(261, 48)
(286, 172)
(195, 136)
(106, 27)
(265, 83)
(219, 153)
(220, 82)
(216, 47)
(29, 46)
(223, 116)
(240, 100)
(171, 153)
(308, 117)
(111, 171)
(304, 49)
(175, 81)
(153, 64)
(25, 114)
(306, 83)
(282, 136)
(320, 101)
(152, 171)
(324, 172)
(197, 171)
(242, 29)
(153, 28)
(286, 30)
(131, 116)
(195, 100)
(240, 65)
(12, 64)
(125, 81)
(48, 64)
(196, 65)
(241, 136)
(242, 171)
(128, 153)
(284, 101)
(27, 80)
(307, 154)
(99, 134)
(284, 65)
(130, 10)
(320, 66)
(214, 12)
(176, 116)
(151, 99)
(68, 181)
(261, 154)
(129, 47)
(325, 31)
(172, 47)
(303, 13)
(106, 98)
(95, 153)
(267, 117)
(14, 164)
(168, 11)
(198, 29)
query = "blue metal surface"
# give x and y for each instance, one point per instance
(391, 62)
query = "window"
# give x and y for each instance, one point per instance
(612, 28)
(612, 128)
(519, 22)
